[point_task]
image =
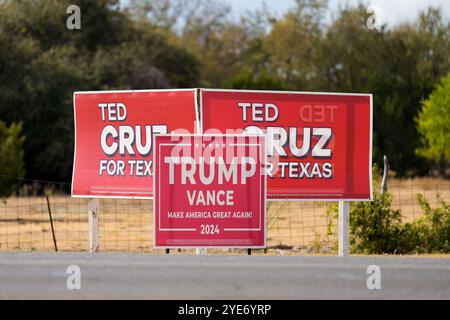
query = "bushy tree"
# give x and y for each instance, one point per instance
(42, 63)
(11, 158)
(303, 51)
(433, 123)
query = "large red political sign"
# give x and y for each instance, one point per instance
(114, 135)
(210, 191)
(319, 144)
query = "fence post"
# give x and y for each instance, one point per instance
(343, 245)
(93, 211)
(384, 182)
(51, 223)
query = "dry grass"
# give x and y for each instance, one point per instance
(126, 225)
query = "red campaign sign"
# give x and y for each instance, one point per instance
(114, 134)
(319, 145)
(210, 191)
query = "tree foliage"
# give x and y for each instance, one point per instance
(433, 123)
(11, 158)
(187, 43)
(42, 63)
(302, 51)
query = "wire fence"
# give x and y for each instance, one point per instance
(127, 225)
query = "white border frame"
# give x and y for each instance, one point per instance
(212, 247)
(369, 95)
(196, 127)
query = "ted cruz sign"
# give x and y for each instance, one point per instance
(319, 145)
(114, 135)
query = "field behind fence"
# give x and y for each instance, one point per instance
(126, 225)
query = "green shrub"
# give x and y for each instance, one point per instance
(432, 229)
(375, 227)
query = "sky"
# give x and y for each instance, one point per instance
(391, 12)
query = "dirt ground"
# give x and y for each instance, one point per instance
(126, 225)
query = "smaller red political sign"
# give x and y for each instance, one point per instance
(210, 191)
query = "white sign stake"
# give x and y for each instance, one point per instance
(343, 243)
(201, 251)
(93, 211)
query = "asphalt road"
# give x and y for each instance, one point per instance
(159, 276)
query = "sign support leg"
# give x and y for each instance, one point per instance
(93, 211)
(343, 241)
(201, 251)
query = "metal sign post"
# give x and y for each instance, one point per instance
(343, 241)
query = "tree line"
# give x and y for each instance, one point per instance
(146, 44)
